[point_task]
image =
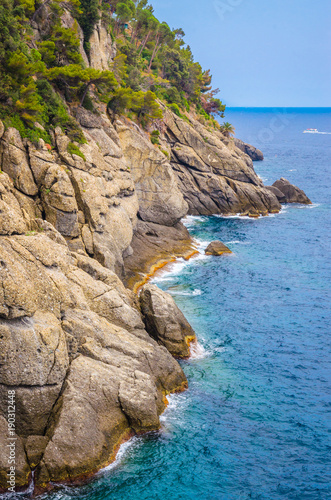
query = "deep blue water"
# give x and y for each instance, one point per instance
(255, 422)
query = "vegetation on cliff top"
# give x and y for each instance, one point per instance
(43, 74)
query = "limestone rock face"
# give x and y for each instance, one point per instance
(12, 220)
(68, 21)
(279, 195)
(292, 193)
(15, 163)
(217, 248)
(160, 200)
(213, 174)
(254, 153)
(73, 346)
(102, 48)
(59, 200)
(153, 245)
(165, 322)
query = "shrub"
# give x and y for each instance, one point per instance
(56, 113)
(155, 137)
(74, 150)
(175, 109)
(33, 134)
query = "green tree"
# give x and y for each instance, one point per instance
(88, 19)
(62, 47)
(163, 35)
(125, 10)
(78, 80)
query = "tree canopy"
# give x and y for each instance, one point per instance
(152, 62)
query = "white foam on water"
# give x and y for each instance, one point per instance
(293, 170)
(170, 271)
(219, 349)
(198, 351)
(238, 216)
(237, 242)
(120, 454)
(313, 205)
(189, 293)
(191, 220)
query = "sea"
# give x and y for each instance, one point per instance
(255, 422)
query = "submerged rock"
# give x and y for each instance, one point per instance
(292, 193)
(165, 322)
(217, 248)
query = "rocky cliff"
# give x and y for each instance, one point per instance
(74, 345)
(90, 364)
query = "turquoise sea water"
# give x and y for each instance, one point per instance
(255, 422)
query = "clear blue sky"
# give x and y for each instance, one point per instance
(260, 52)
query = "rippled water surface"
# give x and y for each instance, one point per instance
(255, 422)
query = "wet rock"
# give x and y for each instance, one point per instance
(165, 322)
(217, 248)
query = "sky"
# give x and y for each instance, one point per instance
(272, 53)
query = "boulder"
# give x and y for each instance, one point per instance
(165, 322)
(59, 201)
(292, 193)
(217, 248)
(102, 48)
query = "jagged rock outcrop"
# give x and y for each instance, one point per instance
(154, 245)
(288, 193)
(254, 153)
(160, 200)
(165, 322)
(213, 174)
(74, 348)
(217, 248)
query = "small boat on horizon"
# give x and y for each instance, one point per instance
(311, 131)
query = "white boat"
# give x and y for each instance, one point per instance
(311, 131)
